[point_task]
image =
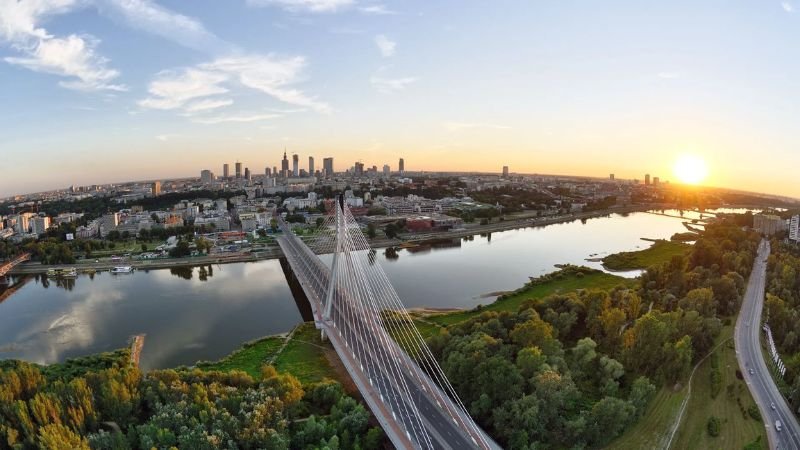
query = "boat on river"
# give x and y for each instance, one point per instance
(122, 269)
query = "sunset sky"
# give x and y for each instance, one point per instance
(96, 91)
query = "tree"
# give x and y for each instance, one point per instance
(371, 231)
(181, 250)
(144, 248)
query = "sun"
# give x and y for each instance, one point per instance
(690, 169)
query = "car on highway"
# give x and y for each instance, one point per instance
(778, 425)
(772, 405)
(751, 371)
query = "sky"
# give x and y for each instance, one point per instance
(98, 91)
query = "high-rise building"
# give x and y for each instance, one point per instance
(794, 228)
(226, 171)
(207, 176)
(39, 225)
(311, 165)
(386, 170)
(401, 166)
(268, 172)
(647, 179)
(768, 224)
(505, 171)
(247, 174)
(359, 169)
(156, 188)
(295, 165)
(327, 166)
(238, 169)
(611, 177)
(656, 181)
(284, 166)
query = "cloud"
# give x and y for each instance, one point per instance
(192, 89)
(376, 10)
(313, 6)
(207, 105)
(385, 45)
(271, 75)
(389, 85)
(788, 7)
(172, 90)
(460, 126)
(72, 57)
(669, 75)
(155, 19)
(236, 118)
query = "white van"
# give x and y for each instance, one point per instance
(778, 425)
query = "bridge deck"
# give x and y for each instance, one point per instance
(347, 328)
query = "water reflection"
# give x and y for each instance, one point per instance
(185, 319)
(189, 314)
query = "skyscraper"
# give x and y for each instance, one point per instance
(238, 169)
(611, 177)
(327, 166)
(656, 181)
(226, 171)
(359, 169)
(295, 165)
(311, 166)
(401, 166)
(247, 174)
(505, 171)
(386, 170)
(156, 188)
(268, 171)
(647, 179)
(285, 166)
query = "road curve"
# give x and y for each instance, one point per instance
(748, 352)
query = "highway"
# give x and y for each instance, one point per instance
(750, 357)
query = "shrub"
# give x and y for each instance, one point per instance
(713, 426)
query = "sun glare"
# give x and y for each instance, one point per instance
(690, 169)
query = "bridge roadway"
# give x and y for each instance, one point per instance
(348, 325)
(6, 267)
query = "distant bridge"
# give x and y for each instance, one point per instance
(7, 266)
(356, 307)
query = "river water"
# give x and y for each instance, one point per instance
(190, 314)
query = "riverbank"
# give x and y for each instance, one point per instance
(512, 222)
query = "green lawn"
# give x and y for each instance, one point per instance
(659, 252)
(304, 356)
(737, 430)
(249, 358)
(567, 282)
(652, 430)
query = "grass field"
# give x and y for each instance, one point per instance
(566, 283)
(249, 358)
(730, 406)
(304, 356)
(659, 252)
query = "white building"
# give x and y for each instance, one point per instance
(39, 225)
(794, 228)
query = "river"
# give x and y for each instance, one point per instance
(189, 314)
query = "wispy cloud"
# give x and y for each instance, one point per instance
(195, 89)
(389, 85)
(788, 7)
(172, 90)
(148, 16)
(386, 46)
(376, 10)
(460, 126)
(73, 56)
(314, 6)
(669, 75)
(236, 118)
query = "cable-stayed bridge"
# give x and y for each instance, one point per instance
(358, 310)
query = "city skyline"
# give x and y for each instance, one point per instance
(102, 90)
